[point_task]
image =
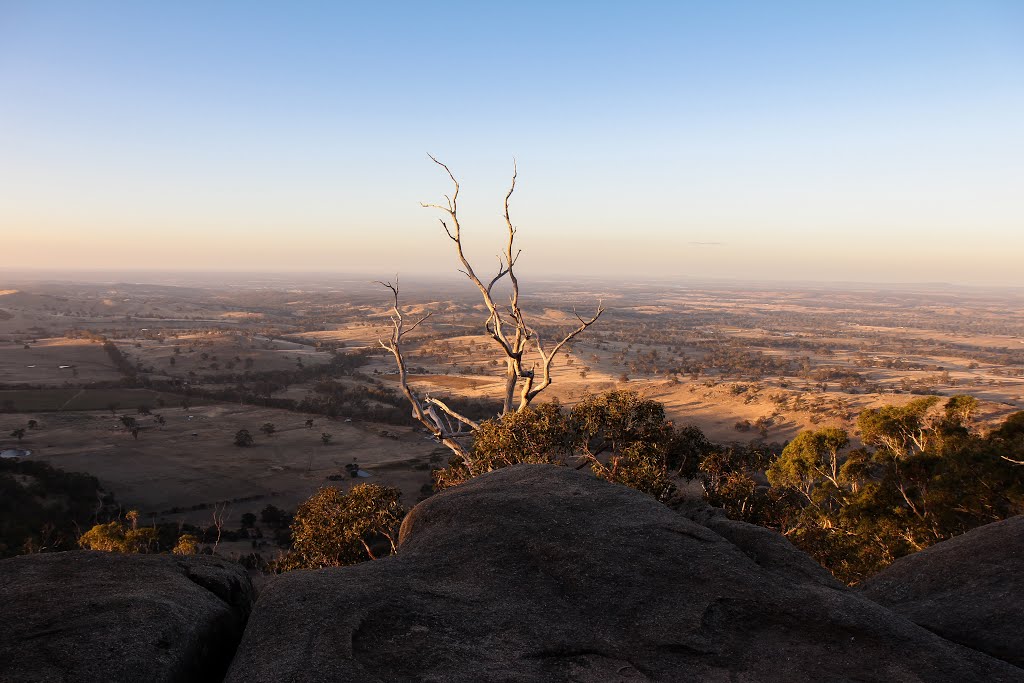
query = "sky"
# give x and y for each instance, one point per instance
(855, 141)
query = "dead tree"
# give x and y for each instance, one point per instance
(220, 515)
(506, 325)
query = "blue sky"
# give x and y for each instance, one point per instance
(791, 140)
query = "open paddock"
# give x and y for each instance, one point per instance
(56, 361)
(178, 471)
(72, 399)
(219, 353)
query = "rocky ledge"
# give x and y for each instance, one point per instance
(92, 616)
(541, 573)
(969, 589)
(531, 573)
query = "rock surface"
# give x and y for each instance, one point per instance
(969, 589)
(91, 616)
(540, 573)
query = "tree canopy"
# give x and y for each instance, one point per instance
(336, 528)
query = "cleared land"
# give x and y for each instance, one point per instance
(177, 471)
(56, 361)
(741, 362)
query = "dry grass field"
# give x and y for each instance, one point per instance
(176, 472)
(217, 353)
(55, 361)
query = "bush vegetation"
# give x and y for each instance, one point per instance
(922, 476)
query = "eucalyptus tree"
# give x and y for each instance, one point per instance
(506, 324)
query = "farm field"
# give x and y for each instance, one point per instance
(744, 363)
(177, 471)
(55, 362)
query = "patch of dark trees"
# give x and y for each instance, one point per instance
(43, 508)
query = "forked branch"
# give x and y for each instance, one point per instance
(530, 392)
(424, 410)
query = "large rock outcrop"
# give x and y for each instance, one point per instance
(540, 573)
(969, 589)
(91, 616)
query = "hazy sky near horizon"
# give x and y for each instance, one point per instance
(768, 140)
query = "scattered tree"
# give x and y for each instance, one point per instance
(243, 439)
(274, 516)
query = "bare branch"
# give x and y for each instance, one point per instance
(493, 327)
(417, 323)
(461, 418)
(456, 182)
(366, 547)
(426, 416)
(502, 272)
(510, 259)
(393, 288)
(548, 358)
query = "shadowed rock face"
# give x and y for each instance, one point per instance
(91, 616)
(541, 573)
(969, 589)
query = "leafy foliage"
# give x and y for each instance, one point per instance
(623, 437)
(640, 445)
(809, 459)
(187, 545)
(898, 429)
(928, 479)
(334, 528)
(118, 537)
(730, 476)
(538, 435)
